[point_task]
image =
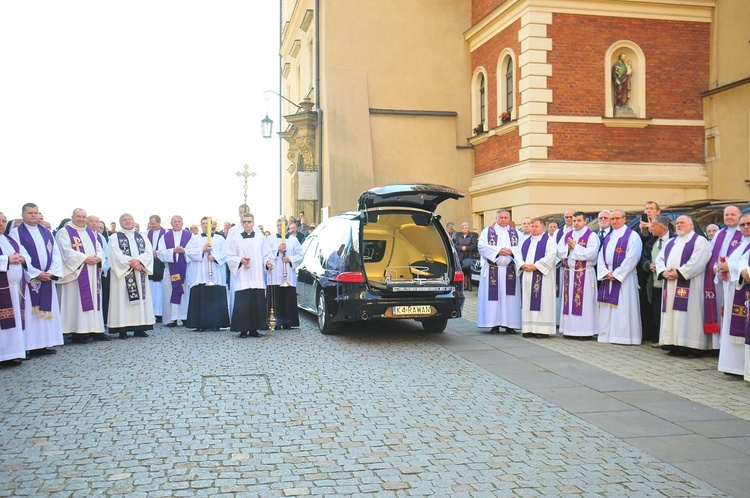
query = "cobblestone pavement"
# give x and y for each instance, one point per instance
(380, 410)
(696, 379)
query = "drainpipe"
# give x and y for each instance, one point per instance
(318, 109)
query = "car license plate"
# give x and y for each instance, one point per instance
(475, 278)
(412, 310)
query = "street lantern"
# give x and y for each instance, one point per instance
(266, 126)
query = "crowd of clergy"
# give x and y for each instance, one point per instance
(662, 282)
(79, 282)
(682, 291)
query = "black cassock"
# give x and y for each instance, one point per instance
(208, 308)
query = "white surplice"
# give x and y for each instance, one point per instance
(559, 236)
(621, 324)
(74, 319)
(199, 264)
(12, 343)
(684, 328)
(123, 312)
(295, 255)
(258, 250)
(585, 324)
(542, 321)
(731, 349)
(45, 330)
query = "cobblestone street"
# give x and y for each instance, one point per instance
(382, 410)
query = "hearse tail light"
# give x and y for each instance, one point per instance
(458, 276)
(350, 277)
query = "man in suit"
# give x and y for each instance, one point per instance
(466, 245)
(662, 232)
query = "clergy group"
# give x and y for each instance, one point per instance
(585, 284)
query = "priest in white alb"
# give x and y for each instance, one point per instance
(43, 328)
(248, 257)
(619, 306)
(12, 291)
(132, 260)
(171, 251)
(80, 295)
(535, 260)
(742, 270)
(681, 264)
(578, 251)
(208, 308)
(499, 296)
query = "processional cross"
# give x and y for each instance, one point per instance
(246, 174)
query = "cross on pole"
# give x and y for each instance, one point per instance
(246, 173)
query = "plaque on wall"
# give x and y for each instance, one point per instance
(307, 185)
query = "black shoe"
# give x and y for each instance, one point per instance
(123, 335)
(254, 333)
(510, 330)
(287, 327)
(79, 338)
(101, 337)
(10, 363)
(42, 352)
(158, 319)
(243, 335)
(495, 330)
(527, 334)
(172, 324)
(140, 333)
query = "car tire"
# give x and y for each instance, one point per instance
(434, 325)
(325, 324)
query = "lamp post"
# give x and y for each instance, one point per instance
(246, 173)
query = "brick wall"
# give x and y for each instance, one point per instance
(677, 64)
(496, 152)
(595, 142)
(480, 8)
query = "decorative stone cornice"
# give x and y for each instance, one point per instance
(307, 20)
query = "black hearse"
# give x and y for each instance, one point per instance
(391, 259)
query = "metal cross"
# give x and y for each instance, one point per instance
(246, 173)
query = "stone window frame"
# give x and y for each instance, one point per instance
(638, 85)
(479, 98)
(502, 89)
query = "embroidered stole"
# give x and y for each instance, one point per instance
(682, 292)
(609, 291)
(7, 314)
(177, 268)
(739, 320)
(536, 275)
(510, 270)
(579, 280)
(84, 284)
(40, 292)
(130, 283)
(710, 315)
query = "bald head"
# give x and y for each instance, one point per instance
(731, 216)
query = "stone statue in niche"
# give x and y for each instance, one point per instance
(622, 73)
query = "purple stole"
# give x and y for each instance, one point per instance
(84, 284)
(609, 291)
(130, 283)
(7, 315)
(682, 292)
(739, 320)
(40, 292)
(177, 268)
(510, 270)
(536, 275)
(579, 280)
(710, 317)
(155, 235)
(568, 236)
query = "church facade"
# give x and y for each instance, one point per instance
(528, 105)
